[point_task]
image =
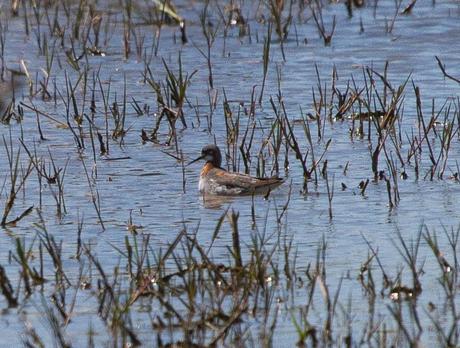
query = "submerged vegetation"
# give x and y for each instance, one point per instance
(103, 103)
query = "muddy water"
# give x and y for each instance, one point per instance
(142, 181)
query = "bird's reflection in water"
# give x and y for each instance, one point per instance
(215, 202)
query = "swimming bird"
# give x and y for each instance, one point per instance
(215, 180)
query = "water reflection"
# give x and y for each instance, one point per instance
(215, 202)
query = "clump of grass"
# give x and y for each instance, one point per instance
(316, 8)
(282, 23)
(171, 97)
(17, 178)
(6, 289)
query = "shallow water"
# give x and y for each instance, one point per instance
(141, 180)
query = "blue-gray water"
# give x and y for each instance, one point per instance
(141, 180)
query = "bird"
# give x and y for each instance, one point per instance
(214, 180)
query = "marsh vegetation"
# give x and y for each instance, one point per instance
(105, 238)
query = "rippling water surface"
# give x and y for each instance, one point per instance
(140, 181)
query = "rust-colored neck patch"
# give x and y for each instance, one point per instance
(206, 168)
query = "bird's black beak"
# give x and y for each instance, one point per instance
(195, 160)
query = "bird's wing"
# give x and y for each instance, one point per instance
(237, 183)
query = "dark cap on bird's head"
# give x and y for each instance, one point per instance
(210, 153)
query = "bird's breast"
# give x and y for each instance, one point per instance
(203, 183)
(206, 169)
